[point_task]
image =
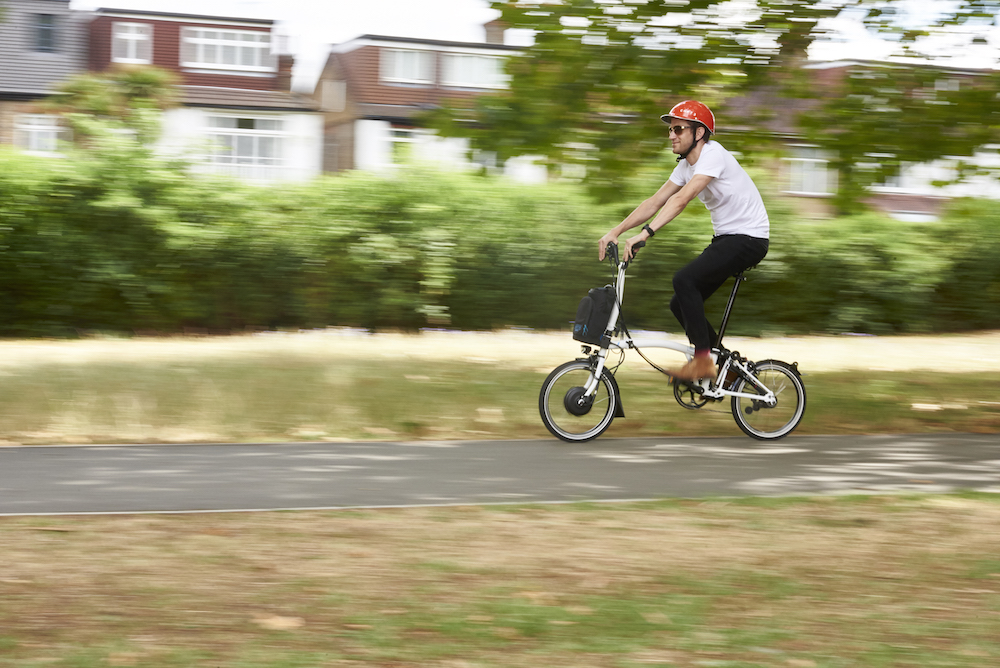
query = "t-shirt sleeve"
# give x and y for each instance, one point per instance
(677, 176)
(710, 163)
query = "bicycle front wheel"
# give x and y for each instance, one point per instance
(566, 413)
(764, 422)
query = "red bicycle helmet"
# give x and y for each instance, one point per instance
(692, 110)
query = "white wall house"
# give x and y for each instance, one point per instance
(42, 43)
(237, 115)
(374, 89)
(254, 145)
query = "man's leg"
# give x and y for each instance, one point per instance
(675, 308)
(696, 282)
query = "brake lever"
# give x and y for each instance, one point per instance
(612, 253)
(635, 251)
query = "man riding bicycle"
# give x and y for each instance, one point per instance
(739, 221)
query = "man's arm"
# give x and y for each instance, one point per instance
(675, 203)
(679, 200)
(640, 215)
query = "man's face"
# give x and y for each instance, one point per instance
(682, 134)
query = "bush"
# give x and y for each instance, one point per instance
(117, 239)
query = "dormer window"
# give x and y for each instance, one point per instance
(132, 43)
(466, 70)
(407, 66)
(216, 49)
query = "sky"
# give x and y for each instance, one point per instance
(313, 25)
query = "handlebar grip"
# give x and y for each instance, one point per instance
(612, 252)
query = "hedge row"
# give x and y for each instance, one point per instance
(117, 240)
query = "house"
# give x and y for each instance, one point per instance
(238, 115)
(373, 89)
(42, 42)
(805, 170)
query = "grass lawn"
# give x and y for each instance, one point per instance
(831, 582)
(807, 583)
(350, 386)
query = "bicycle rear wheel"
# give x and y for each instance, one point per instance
(564, 410)
(764, 422)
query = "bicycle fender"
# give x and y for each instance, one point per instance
(619, 409)
(794, 366)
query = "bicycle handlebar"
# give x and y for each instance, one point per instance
(612, 252)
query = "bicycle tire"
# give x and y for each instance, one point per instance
(558, 396)
(763, 422)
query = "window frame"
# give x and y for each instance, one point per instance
(809, 172)
(402, 143)
(389, 66)
(52, 130)
(278, 134)
(46, 34)
(132, 40)
(194, 42)
(449, 67)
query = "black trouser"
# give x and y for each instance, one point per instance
(694, 283)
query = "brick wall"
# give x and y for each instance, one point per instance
(363, 71)
(166, 52)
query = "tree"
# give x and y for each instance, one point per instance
(883, 116)
(127, 97)
(591, 88)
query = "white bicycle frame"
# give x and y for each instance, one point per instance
(709, 389)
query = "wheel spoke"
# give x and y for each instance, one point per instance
(563, 385)
(759, 420)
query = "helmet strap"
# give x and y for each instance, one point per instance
(704, 138)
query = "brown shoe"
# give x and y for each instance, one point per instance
(699, 367)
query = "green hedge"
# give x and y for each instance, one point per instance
(117, 240)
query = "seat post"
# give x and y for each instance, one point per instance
(729, 307)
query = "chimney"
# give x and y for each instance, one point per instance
(494, 31)
(285, 63)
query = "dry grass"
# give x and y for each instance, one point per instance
(346, 385)
(825, 582)
(520, 349)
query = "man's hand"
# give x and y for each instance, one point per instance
(630, 248)
(602, 245)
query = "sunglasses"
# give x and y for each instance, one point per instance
(678, 129)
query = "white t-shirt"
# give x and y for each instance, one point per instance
(731, 197)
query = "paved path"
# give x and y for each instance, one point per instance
(165, 478)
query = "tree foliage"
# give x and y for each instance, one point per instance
(592, 86)
(880, 118)
(128, 98)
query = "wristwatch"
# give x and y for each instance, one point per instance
(649, 230)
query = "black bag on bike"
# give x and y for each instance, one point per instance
(593, 314)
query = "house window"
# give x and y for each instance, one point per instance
(246, 146)
(407, 66)
(947, 85)
(45, 33)
(809, 172)
(132, 43)
(471, 71)
(244, 50)
(402, 140)
(38, 133)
